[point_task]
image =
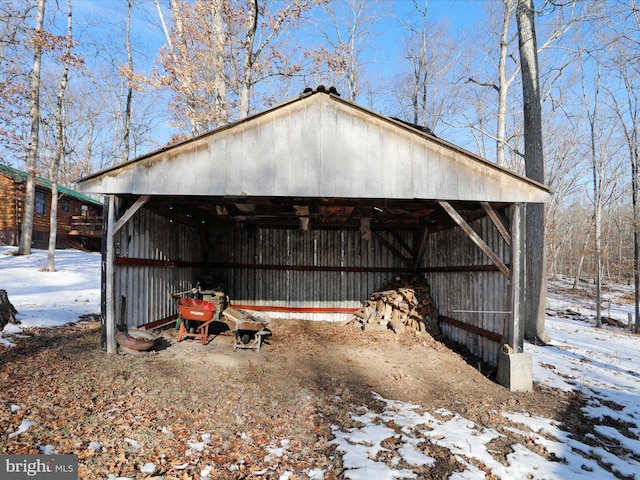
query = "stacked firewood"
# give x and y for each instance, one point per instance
(403, 304)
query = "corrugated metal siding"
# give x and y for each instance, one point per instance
(142, 292)
(474, 292)
(147, 288)
(299, 288)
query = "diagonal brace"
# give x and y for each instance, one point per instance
(475, 238)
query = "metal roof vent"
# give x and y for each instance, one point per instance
(319, 89)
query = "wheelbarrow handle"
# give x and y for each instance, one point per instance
(193, 291)
(206, 323)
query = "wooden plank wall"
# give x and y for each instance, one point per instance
(473, 298)
(142, 291)
(9, 233)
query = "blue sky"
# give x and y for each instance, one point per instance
(104, 20)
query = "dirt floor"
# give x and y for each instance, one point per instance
(307, 377)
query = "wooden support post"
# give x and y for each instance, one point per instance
(515, 368)
(515, 336)
(110, 263)
(113, 227)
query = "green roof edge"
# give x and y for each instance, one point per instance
(14, 172)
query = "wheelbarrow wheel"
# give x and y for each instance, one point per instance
(246, 338)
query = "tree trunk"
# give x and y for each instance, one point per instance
(219, 76)
(126, 134)
(53, 221)
(597, 175)
(576, 279)
(536, 285)
(598, 262)
(34, 113)
(247, 65)
(60, 145)
(7, 311)
(503, 84)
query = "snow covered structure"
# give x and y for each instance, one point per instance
(304, 209)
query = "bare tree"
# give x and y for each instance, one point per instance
(34, 113)
(430, 56)
(602, 150)
(217, 51)
(535, 308)
(60, 140)
(504, 79)
(502, 70)
(348, 36)
(14, 85)
(126, 134)
(627, 112)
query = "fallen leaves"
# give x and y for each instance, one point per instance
(193, 418)
(125, 416)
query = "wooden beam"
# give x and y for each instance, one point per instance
(494, 337)
(311, 268)
(475, 238)
(163, 322)
(392, 249)
(138, 204)
(420, 249)
(110, 314)
(399, 239)
(149, 262)
(281, 308)
(497, 221)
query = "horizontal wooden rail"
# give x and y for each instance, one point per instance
(493, 336)
(149, 262)
(309, 268)
(88, 226)
(280, 308)
(461, 268)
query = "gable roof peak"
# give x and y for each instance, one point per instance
(319, 89)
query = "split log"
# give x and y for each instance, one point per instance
(403, 304)
(7, 310)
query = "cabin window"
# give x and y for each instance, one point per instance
(85, 211)
(66, 205)
(40, 203)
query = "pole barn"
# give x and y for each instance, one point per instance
(305, 209)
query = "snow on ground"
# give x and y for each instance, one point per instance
(600, 364)
(46, 299)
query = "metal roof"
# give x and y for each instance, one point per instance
(21, 176)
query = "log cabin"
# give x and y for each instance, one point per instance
(79, 216)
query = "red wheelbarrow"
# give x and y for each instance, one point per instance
(194, 310)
